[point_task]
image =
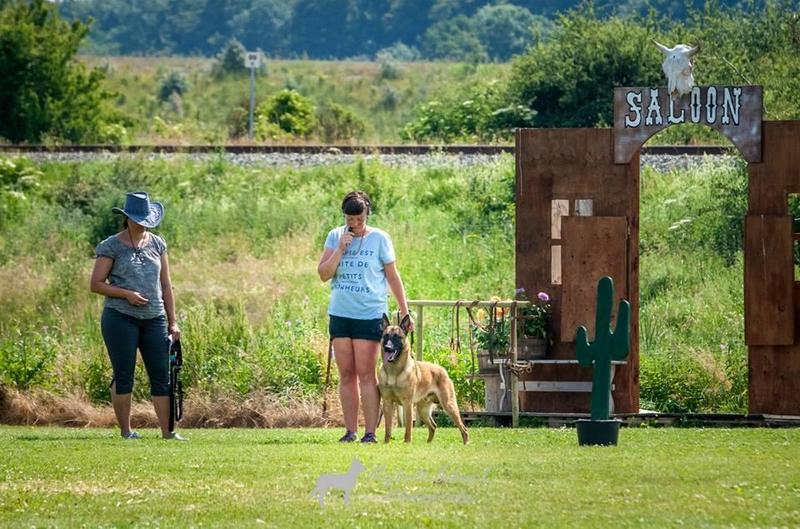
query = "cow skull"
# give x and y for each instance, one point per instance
(677, 67)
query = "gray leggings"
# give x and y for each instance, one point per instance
(123, 334)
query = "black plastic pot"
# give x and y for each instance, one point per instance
(593, 433)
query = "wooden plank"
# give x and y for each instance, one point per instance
(626, 398)
(781, 162)
(774, 370)
(769, 280)
(774, 379)
(592, 247)
(559, 208)
(555, 265)
(565, 386)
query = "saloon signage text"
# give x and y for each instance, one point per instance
(735, 111)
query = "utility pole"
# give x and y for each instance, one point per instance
(252, 61)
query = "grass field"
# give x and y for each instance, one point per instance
(53, 477)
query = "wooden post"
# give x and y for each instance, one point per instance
(512, 376)
(418, 332)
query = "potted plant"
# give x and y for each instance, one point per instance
(491, 335)
(534, 326)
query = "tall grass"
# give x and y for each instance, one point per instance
(243, 247)
(212, 106)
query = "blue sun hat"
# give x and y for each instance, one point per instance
(140, 210)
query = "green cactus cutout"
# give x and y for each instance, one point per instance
(607, 345)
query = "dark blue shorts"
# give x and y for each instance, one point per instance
(340, 327)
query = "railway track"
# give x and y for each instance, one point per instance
(675, 150)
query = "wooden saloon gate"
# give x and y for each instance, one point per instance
(577, 196)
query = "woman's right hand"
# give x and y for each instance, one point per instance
(136, 299)
(345, 240)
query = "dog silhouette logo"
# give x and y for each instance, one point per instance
(344, 482)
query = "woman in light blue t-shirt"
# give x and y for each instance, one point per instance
(360, 262)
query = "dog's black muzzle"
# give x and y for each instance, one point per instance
(392, 347)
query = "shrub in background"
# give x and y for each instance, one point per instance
(26, 358)
(44, 92)
(174, 83)
(238, 122)
(289, 111)
(480, 113)
(453, 39)
(336, 122)
(230, 59)
(504, 30)
(18, 178)
(569, 80)
(389, 70)
(398, 52)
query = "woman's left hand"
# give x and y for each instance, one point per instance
(174, 332)
(410, 323)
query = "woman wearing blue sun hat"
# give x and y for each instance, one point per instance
(132, 272)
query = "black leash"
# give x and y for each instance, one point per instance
(175, 384)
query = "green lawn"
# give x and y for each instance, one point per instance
(51, 477)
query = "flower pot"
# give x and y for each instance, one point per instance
(497, 395)
(598, 433)
(532, 348)
(484, 362)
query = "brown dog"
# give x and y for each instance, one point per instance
(406, 382)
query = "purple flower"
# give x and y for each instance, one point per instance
(519, 291)
(543, 296)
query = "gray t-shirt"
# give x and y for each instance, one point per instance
(138, 270)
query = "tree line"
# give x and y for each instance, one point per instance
(564, 81)
(475, 30)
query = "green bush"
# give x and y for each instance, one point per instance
(238, 122)
(26, 357)
(231, 59)
(336, 122)
(389, 100)
(96, 377)
(174, 83)
(569, 80)
(389, 70)
(504, 30)
(453, 39)
(289, 111)
(398, 52)
(44, 92)
(18, 180)
(480, 113)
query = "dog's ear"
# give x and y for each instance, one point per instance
(405, 323)
(385, 323)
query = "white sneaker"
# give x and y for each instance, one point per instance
(175, 436)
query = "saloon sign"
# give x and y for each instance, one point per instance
(735, 111)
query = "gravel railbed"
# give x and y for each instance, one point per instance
(659, 162)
